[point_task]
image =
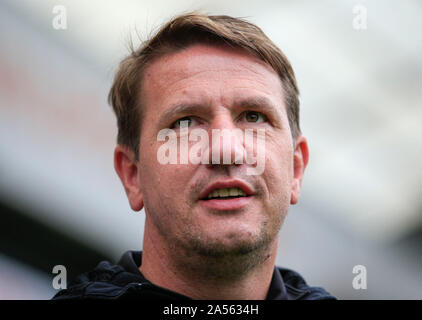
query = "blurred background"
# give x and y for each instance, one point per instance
(359, 69)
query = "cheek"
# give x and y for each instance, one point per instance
(165, 178)
(165, 185)
(279, 170)
(278, 178)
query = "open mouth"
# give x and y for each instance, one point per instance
(229, 195)
(225, 194)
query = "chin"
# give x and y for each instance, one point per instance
(232, 244)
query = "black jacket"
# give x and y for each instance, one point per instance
(125, 281)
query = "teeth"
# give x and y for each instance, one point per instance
(226, 192)
(223, 192)
(234, 191)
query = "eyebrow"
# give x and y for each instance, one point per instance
(182, 109)
(179, 109)
(259, 103)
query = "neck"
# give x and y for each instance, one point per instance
(213, 278)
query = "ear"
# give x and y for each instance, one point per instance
(126, 167)
(300, 160)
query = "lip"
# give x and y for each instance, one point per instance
(226, 204)
(226, 184)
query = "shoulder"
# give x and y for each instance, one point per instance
(111, 282)
(105, 281)
(298, 289)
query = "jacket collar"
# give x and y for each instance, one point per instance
(132, 260)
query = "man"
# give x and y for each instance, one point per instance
(212, 225)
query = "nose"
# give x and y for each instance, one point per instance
(226, 142)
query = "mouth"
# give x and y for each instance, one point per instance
(226, 195)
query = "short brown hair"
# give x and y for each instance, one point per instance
(178, 34)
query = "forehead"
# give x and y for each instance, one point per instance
(208, 74)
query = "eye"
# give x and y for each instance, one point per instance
(254, 116)
(186, 121)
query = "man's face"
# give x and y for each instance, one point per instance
(220, 83)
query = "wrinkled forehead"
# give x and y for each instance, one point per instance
(202, 70)
(198, 57)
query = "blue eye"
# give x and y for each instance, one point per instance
(189, 122)
(254, 116)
